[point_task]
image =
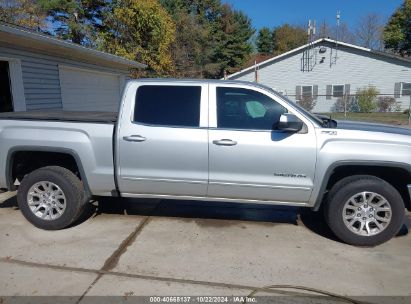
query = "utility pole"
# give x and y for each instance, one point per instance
(409, 112)
(345, 104)
(255, 70)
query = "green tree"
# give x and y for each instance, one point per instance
(26, 13)
(74, 20)
(211, 37)
(139, 30)
(232, 44)
(264, 41)
(288, 37)
(191, 48)
(397, 32)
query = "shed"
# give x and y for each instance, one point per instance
(40, 72)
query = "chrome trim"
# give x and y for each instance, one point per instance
(163, 180)
(213, 183)
(207, 198)
(259, 186)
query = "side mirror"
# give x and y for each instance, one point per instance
(290, 123)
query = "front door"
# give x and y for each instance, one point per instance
(6, 102)
(163, 147)
(249, 158)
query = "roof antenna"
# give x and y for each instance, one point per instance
(333, 59)
(309, 59)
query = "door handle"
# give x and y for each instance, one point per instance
(134, 138)
(224, 142)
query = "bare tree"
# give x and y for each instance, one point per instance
(325, 30)
(369, 31)
(344, 33)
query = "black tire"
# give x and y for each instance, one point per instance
(70, 185)
(343, 190)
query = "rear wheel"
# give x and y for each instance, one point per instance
(364, 210)
(51, 198)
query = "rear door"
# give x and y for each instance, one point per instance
(249, 158)
(162, 145)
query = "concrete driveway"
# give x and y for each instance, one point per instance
(176, 248)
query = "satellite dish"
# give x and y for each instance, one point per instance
(323, 49)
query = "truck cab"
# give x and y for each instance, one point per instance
(213, 141)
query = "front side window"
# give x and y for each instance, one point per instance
(406, 89)
(239, 108)
(168, 105)
(338, 90)
(307, 91)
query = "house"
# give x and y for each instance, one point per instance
(326, 71)
(40, 72)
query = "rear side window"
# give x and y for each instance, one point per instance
(168, 105)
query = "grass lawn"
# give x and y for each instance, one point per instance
(377, 117)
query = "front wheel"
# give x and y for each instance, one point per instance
(51, 198)
(364, 210)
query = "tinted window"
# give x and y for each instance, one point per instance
(168, 105)
(247, 109)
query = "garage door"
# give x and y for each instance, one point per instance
(87, 90)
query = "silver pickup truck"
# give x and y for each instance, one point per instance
(209, 140)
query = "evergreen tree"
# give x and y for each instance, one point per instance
(212, 37)
(264, 41)
(232, 45)
(74, 20)
(397, 33)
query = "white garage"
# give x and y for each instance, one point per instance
(88, 90)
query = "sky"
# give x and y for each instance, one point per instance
(272, 13)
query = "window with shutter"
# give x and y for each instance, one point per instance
(338, 90)
(307, 91)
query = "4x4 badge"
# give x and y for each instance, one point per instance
(329, 132)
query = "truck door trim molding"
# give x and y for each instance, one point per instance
(168, 180)
(260, 186)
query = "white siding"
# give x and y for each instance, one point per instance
(355, 67)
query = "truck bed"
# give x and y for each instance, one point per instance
(85, 136)
(69, 116)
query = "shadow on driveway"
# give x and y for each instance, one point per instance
(217, 210)
(211, 210)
